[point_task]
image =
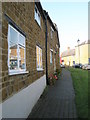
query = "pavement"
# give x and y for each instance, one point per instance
(58, 101)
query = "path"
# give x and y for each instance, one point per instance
(59, 102)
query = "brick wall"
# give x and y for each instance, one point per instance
(52, 43)
(0, 52)
(23, 16)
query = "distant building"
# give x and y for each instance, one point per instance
(82, 52)
(29, 53)
(68, 57)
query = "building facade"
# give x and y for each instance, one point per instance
(23, 71)
(68, 57)
(53, 46)
(83, 53)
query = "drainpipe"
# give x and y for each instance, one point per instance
(47, 81)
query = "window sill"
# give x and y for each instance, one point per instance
(19, 72)
(40, 69)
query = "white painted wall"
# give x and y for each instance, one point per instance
(21, 104)
(0, 111)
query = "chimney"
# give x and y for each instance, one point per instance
(68, 48)
(55, 26)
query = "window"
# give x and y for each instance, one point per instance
(89, 60)
(54, 64)
(52, 32)
(73, 62)
(39, 58)
(37, 15)
(16, 51)
(56, 46)
(51, 56)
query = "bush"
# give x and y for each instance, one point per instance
(52, 78)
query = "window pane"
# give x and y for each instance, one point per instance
(13, 63)
(54, 64)
(38, 18)
(21, 58)
(37, 53)
(13, 35)
(37, 50)
(50, 56)
(35, 9)
(89, 60)
(40, 58)
(37, 60)
(21, 40)
(16, 50)
(37, 15)
(22, 64)
(21, 53)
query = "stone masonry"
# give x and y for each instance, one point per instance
(22, 14)
(52, 44)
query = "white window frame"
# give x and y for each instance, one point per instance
(37, 16)
(18, 71)
(51, 56)
(39, 68)
(56, 46)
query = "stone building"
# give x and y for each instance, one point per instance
(53, 45)
(23, 60)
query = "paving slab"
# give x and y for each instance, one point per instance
(59, 100)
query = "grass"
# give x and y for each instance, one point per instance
(80, 82)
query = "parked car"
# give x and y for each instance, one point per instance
(86, 67)
(80, 65)
(62, 66)
(77, 65)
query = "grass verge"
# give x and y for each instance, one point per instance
(80, 82)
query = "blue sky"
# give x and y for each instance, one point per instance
(71, 19)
